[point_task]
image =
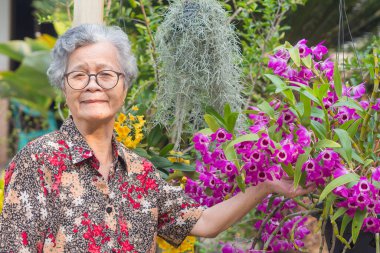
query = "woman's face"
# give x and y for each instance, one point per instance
(93, 103)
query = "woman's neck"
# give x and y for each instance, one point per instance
(98, 136)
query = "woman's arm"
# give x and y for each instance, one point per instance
(221, 216)
(24, 215)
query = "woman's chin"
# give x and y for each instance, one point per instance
(97, 116)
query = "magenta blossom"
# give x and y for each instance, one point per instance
(319, 51)
(376, 174)
(221, 135)
(303, 49)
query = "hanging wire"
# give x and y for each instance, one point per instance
(353, 44)
(120, 18)
(343, 17)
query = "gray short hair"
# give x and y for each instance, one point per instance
(87, 34)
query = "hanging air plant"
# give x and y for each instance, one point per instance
(199, 65)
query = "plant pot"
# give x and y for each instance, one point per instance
(365, 243)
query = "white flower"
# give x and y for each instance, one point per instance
(78, 201)
(44, 213)
(24, 250)
(29, 214)
(112, 195)
(69, 238)
(69, 212)
(41, 198)
(24, 197)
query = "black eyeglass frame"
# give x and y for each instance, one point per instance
(96, 78)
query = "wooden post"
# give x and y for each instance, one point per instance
(88, 11)
(5, 31)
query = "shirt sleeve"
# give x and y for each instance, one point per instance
(22, 221)
(177, 213)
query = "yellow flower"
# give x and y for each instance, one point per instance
(140, 118)
(2, 176)
(175, 159)
(186, 246)
(135, 108)
(121, 118)
(131, 117)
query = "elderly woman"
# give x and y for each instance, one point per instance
(79, 190)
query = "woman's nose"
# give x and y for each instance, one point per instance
(93, 84)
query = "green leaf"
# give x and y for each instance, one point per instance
(345, 221)
(338, 213)
(265, 107)
(305, 91)
(141, 152)
(16, 49)
(241, 182)
(347, 178)
(210, 110)
(206, 131)
(155, 136)
(166, 149)
(319, 129)
(227, 111)
(357, 223)
(211, 122)
(307, 61)
(305, 120)
(345, 140)
(316, 112)
(357, 158)
(182, 167)
(231, 122)
(231, 155)
(160, 162)
(322, 90)
(353, 128)
(288, 169)
(367, 163)
(325, 143)
(283, 87)
(348, 102)
(337, 81)
(329, 202)
(295, 55)
(242, 138)
(298, 169)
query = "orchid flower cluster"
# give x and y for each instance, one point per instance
(281, 241)
(317, 132)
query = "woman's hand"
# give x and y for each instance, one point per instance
(285, 187)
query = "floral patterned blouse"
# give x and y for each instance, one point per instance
(57, 201)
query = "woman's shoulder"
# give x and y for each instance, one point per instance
(48, 142)
(135, 162)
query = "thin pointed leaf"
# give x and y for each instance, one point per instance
(338, 213)
(345, 179)
(325, 143)
(345, 140)
(337, 81)
(357, 223)
(318, 129)
(295, 55)
(265, 107)
(211, 122)
(307, 61)
(345, 221)
(298, 169)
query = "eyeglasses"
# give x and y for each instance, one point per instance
(107, 79)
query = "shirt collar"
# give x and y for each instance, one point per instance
(78, 146)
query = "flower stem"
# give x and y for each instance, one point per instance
(377, 243)
(266, 221)
(374, 95)
(309, 212)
